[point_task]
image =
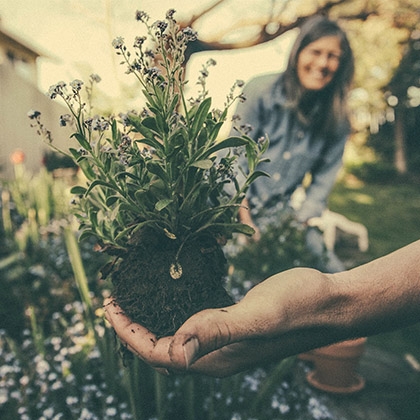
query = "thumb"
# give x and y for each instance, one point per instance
(203, 333)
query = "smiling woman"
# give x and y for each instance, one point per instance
(318, 63)
(303, 113)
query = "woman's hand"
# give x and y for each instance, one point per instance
(245, 217)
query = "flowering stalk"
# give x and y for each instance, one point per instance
(164, 167)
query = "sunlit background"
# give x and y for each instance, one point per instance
(56, 357)
(75, 36)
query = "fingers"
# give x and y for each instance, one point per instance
(210, 342)
(204, 333)
(256, 317)
(237, 357)
(175, 353)
(138, 339)
(190, 348)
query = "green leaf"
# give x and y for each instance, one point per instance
(214, 132)
(161, 204)
(150, 99)
(134, 120)
(242, 228)
(151, 142)
(225, 144)
(75, 153)
(131, 229)
(251, 153)
(202, 139)
(203, 164)
(82, 141)
(174, 104)
(86, 233)
(78, 190)
(155, 168)
(229, 228)
(86, 169)
(128, 175)
(112, 199)
(93, 218)
(99, 182)
(116, 135)
(200, 116)
(150, 123)
(256, 175)
(162, 127)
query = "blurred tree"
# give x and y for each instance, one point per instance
(403, 98)
(381, 32)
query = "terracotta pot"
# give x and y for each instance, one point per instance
(335, 367)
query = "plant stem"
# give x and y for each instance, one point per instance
(80, 275)
(160, 394)
(272, 381)
(5, 212)
(133, 377)
(37, 335)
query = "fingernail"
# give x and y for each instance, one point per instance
(190, 350)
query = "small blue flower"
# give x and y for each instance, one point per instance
(118, 43)
(160, 26)
(95, 78)
(139, 41)
(76, 85)
(142, 16)
(189, 34)
(33, 115)
(65, 119)
(170, 14)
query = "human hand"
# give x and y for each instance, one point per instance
(218, 354)
(289, 313)
(245, 217)
(138, 339)
(219, 342)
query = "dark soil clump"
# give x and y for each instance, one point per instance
(148, 295)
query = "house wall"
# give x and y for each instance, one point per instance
(21, 56)
(17, 97)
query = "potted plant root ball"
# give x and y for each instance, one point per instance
(161, 194)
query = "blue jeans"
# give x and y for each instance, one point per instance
(329, 262)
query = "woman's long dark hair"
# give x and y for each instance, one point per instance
(325, 110)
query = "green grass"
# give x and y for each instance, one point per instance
(391, 213)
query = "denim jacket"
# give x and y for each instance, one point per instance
(293, 150)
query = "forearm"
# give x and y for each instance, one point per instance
(384, 294)
(244, 213)
(375, 297)
(302, 309)
(379, 296)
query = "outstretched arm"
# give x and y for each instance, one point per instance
(289, 313)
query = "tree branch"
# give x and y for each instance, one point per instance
(263, 35)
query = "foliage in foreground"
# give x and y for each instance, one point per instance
(282, 246)
(65, 364)
(163, 167)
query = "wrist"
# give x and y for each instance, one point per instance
(313, 301)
